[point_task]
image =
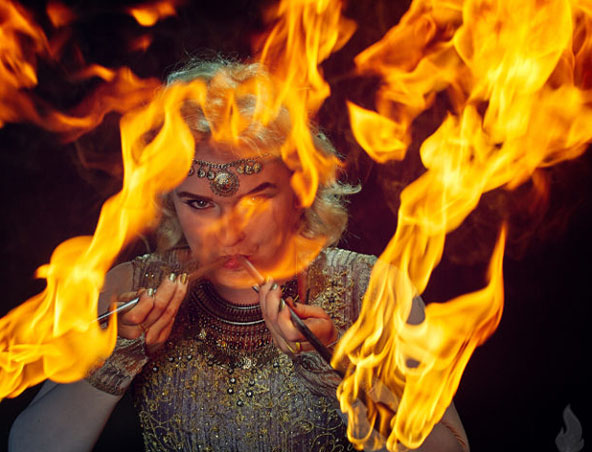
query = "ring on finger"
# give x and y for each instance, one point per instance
(297, 348)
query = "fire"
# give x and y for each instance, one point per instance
(18, 75)
(516, 76)
(141, 44)
(519, 83)
(61, 326)
(305, 34)
(17, 63)
(54, 334)
(150, 13)
(59, 14)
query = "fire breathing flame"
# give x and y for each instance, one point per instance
(518, 80)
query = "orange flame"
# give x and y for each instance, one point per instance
(519, 83)
(60, 321)
(305, 34)
(54, 334)
(17, 62)
(59, 14)
(148, 14)
(62, 318)
(517, 78)
(141, 43)
(18, 74)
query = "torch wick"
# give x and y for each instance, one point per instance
(248, 265)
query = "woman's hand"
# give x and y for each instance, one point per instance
(285, 334)
(155, 313)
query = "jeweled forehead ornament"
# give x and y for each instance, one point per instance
(223, 181)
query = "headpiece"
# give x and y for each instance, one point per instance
(224, 182)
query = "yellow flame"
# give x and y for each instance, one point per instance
(518, 104)
(305, 33)
(55, 334)
(17, 63)
(148, 14)
(377, 134)
(518, 79)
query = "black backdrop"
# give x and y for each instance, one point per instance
(517, 384)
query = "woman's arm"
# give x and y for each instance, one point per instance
(62, 417)
(69, 417)
(448, 435)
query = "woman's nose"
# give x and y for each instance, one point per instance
(231, 229)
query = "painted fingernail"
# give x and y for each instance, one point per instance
(255, 288)
(282, 305)
(183, 278)
(172, 277)
(150, 292)
(274, 286)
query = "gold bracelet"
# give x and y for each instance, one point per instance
(118, 371)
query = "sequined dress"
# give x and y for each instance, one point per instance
(220, 384)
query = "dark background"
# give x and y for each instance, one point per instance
(516, 385)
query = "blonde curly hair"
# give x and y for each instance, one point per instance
(325, 218)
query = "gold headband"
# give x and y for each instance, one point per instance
(224, 182)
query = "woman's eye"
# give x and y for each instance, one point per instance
(198, 204)
(254, 200)
(261, 197)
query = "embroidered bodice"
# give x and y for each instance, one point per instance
(220, 384)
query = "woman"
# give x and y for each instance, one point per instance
(217, 364)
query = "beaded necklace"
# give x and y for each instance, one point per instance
(230, 334)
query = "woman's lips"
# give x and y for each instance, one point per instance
(233, 263)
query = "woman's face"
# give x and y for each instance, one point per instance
(255, 222)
